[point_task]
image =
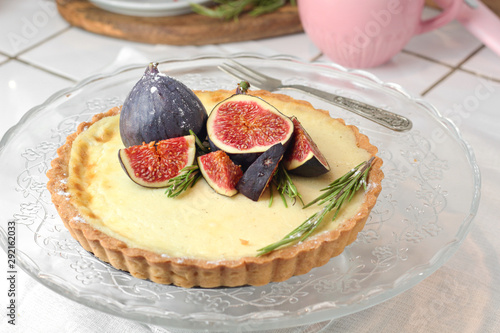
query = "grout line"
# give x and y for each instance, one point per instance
(453, 70)
(7, 58)
(435, 84)
(418, 55)
(473, 53)
(16, 57)
(459, 66)
(316, 57)
(4, 61)
(47, 71)
(495, 79)
(58, 33)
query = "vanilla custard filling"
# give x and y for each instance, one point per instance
(201, 223)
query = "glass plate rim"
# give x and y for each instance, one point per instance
(308, 314)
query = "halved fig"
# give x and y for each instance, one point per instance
(220, 172)
(153, 164)
(245, 126)
(160, 107)
(303, 156)
(258, 175)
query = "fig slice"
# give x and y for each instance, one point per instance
(258, 175)
(220, 172)
(160, 107)
(153, 164)
(245, 126)
(303, 157)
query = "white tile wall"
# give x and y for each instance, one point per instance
(469, 101)
(3, 58)
(59, 52)
(414, 73)
(298, 45)
(80, 53)
(485, 62)
(450, 44)
(25, 23)
(23, 87)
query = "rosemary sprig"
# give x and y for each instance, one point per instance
(201, 149)
(335, 195)
(186, 179)
(285, 186)
(188, 175)
(232, 9)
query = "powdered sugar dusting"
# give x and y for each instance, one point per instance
(79, 219)
(371, 186)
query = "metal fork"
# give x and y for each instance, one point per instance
(383, 117)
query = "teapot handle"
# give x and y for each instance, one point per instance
(483, 23)
(450, 12)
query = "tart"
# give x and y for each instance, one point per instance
(202, 238)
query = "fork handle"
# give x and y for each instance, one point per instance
(380, 116)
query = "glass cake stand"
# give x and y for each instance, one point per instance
(430, 196)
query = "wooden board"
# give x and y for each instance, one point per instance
(494, 5)
(189, 29)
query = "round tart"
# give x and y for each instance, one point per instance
(202, 238)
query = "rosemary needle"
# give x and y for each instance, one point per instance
(285, 186)
(187, 178)
(335, 195)
(232, 9)
(201, 148)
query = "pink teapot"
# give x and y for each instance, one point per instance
(367, 33)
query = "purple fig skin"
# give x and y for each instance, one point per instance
(258, 175)
(311, 168)
(160, 107)
(244, 160)
(312, 165)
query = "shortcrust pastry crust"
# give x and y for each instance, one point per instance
(279, 265)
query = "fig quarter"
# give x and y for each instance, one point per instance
(258, 175)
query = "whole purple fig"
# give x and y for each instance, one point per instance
(160, 107)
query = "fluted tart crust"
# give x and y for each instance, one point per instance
(142, 245)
